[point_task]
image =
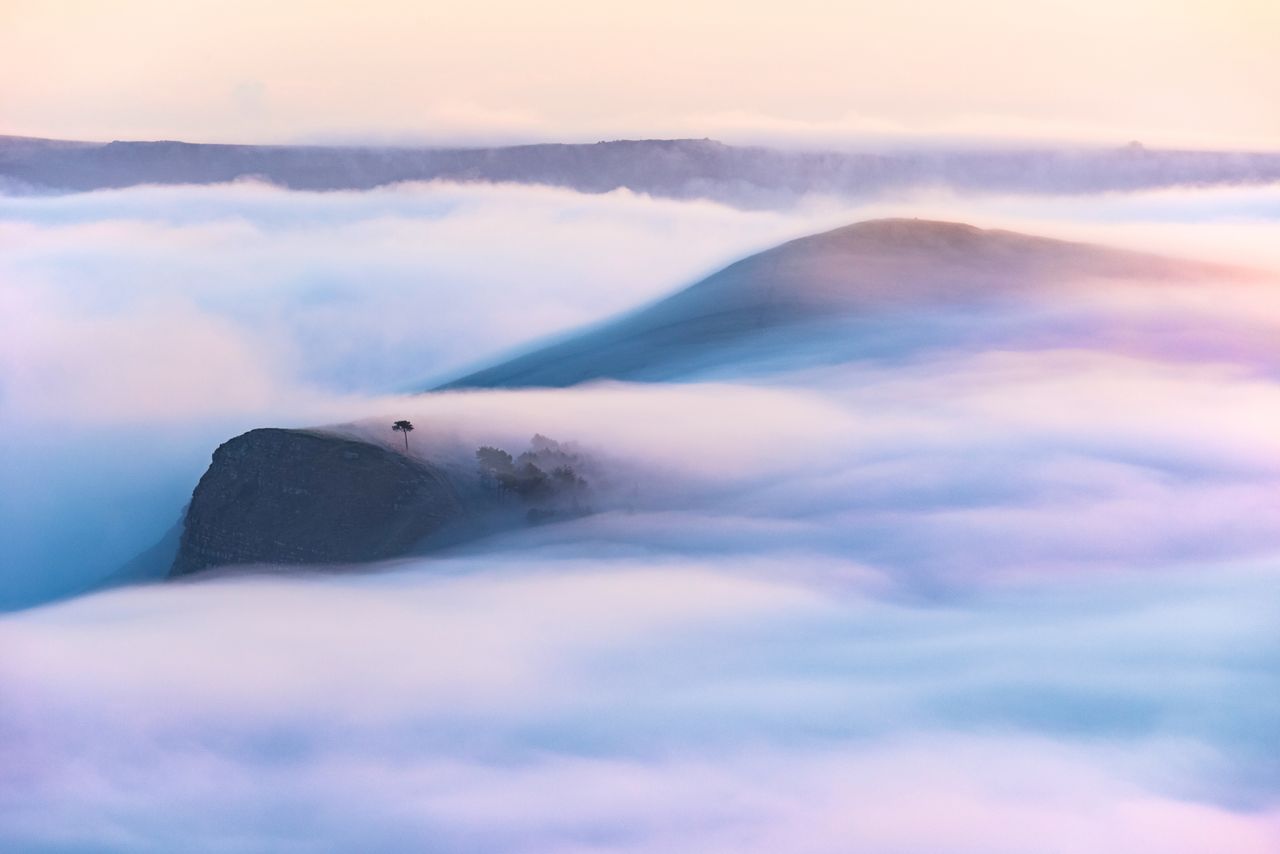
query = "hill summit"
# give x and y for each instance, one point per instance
(868, 270)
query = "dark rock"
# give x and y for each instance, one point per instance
(301, 497)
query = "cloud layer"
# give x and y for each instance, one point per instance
(1013, 582)
(536, 701)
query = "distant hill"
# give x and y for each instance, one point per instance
(680, 168)
(752, 309)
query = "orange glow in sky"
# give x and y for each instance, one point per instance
(1180, 72)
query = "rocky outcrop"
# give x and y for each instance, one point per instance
(276, 496)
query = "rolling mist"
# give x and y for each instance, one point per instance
(1018, 561)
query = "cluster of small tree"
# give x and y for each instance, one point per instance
(546, 475)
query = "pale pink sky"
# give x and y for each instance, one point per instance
(1182, 72)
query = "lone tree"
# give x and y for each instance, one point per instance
(403, 427)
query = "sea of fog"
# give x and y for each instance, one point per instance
(1016, 592)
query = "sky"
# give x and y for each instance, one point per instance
(1201, 73)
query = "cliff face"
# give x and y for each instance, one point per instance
(295, 497)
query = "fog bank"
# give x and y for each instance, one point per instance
(1008, 577)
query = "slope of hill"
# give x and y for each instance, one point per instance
(861, 271)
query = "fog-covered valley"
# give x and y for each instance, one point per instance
(994, 536)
